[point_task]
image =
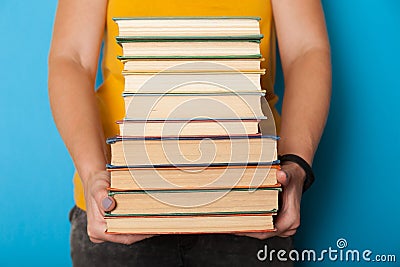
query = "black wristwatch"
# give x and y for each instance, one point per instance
(303, 164)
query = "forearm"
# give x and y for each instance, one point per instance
(305, 103)
(75, 111)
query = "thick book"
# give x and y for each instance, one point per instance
(194, 127)
(188, 26)
(192, 82)
(152, 65)
(125, 178)
(189, 47)
(195, 202)
(190, 224)
(184, 106)
(132, 151)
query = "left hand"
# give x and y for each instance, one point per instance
(291, 176)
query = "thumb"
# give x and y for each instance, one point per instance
(283, 177)
(108, 203)
(290, 172)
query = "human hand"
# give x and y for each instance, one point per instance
(97, 203)
(292, 177)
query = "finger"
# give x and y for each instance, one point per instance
(264, 235)
(283, 177)
(122, 239)
(288, 219)
(98, 234)
(288, 233)
(125, 238)
(293, 172)
(95, 240)
(108, 203)
(102, 200)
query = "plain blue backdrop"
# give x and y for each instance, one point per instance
(356, 195)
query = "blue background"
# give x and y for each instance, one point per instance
(356, 195)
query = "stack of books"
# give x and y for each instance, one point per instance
(191, 157)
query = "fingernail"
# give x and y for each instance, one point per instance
(107, 202)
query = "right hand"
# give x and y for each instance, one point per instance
(97, 203)
(291, 177)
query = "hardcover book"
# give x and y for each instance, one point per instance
(194, 127)
(190, 176)
(190, 224)
(131, 151)
(188, 26)
(185, 106)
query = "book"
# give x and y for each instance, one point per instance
(187, 127)
(125, 178)
(195, 202)
(192, 82)
(188, 26)
(131, 151)
(190, 224)
(189, 47)
(157, 65)
(183, 106)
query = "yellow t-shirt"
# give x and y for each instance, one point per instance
(109, 98)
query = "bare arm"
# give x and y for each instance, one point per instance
(73, 58)
(77, 35)
(305, 56)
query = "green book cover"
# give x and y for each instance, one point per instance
(242, 38)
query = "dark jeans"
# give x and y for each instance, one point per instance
(172, 250)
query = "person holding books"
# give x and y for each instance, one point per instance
(85, 117)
